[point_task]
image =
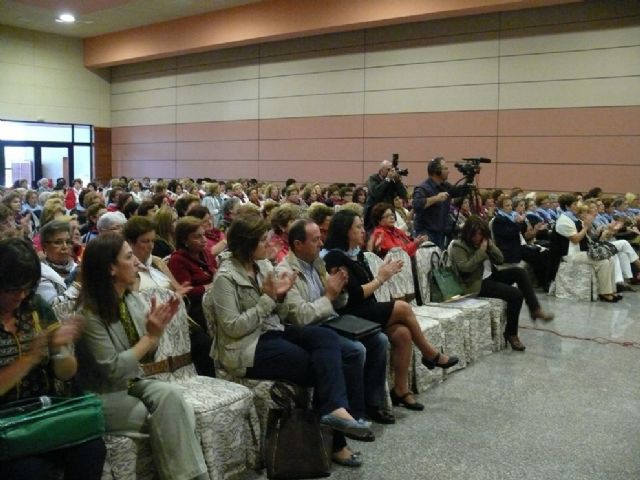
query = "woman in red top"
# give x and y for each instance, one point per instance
(192, 263)
(387, 236)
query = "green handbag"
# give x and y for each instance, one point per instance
(444, 283)
(37, 425)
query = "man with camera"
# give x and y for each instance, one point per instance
(383, 186)
(431, 201)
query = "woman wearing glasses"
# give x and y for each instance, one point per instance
(58, 268)
(33, 351)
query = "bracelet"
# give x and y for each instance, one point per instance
(60, 356)
(379, 281)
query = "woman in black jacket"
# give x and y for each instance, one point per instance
(342, 250)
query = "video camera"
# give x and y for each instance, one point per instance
(394, 162)
(471, 167)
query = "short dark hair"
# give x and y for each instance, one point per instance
(145, 207)
(471, 226)
(52, 228)
(378, 212)
(435, 166)
(338, 235)
(185, 227)
(137, 226)
(199, 212)
(18, 257)
(566, 199)
(298, 231)
(244, 234)
(182, 204)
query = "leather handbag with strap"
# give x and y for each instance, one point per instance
(38, 425)
(296, 445)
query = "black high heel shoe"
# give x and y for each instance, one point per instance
(397, 400)
(431, 364)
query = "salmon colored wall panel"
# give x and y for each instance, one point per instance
(563, 178)
(311, 150)
(153, 169)
(221, 169)
(612, 150)
(571, 121)
(223, 150)
(475, 123)
(143, 134)
(211, 131)
(421, 149)
(316, 127)
(324, 172)
(144, 151)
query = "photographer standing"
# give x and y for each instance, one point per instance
(383, 187)
(431, 203)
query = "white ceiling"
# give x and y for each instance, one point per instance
(102, 16)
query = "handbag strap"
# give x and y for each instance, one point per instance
(435, 260)
(444, 259)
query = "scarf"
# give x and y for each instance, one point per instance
(508, 215)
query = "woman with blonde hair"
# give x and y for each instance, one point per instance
(166, 219)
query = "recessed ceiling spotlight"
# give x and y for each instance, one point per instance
(65, 18)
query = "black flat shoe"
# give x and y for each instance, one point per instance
(613, 299)
(397, 400)
(380, 415)
(431, 364)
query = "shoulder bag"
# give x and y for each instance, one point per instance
(443, 282)
(296, 445)
(38, 425)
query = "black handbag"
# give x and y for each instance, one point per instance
(296, 445)
(353, 328)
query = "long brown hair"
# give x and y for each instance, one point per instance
(98, 293)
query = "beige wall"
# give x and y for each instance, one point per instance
(42, 77)
(329, 108)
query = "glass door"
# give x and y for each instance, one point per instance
(18, 165)
(55, 162)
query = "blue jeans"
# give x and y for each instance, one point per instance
(309, 356)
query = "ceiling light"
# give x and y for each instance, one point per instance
(66, 18)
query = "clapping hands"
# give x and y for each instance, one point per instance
(277, 286)
(160, 315)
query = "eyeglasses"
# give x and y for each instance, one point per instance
(60, 243)
(387, 215)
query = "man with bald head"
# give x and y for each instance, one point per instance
(383, 187)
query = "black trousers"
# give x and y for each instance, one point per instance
(500, 285)
(80, 462)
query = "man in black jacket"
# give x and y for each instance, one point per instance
(383, 187)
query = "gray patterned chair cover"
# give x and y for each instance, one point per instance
(383, 294)
(401, 284)
(454, 326)
(576, 281)
(420, 377)
(498, 309)
(423, 266)
(226, 419)
(479, 337)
